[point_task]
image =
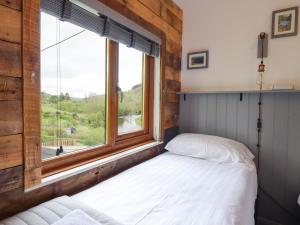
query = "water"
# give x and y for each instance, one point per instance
(129, 123)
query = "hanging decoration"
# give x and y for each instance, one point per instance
(261, 70)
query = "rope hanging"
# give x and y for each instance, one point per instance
(58, 88)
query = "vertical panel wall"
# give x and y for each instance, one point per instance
(228, 116)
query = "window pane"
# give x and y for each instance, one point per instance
(73, 79)
(130, 108)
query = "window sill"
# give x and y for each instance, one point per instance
(68, 173)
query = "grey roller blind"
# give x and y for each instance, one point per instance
(117, 32)
(100, 24)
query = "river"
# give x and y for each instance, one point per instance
(129, 124)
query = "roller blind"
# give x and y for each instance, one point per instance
(66, 10)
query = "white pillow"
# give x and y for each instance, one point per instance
(209, 147)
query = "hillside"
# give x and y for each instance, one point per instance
(83, 119)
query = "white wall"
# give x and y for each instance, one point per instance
(229, 29)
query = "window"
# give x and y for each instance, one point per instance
(130, 85)
(96, 94)
(73, 78)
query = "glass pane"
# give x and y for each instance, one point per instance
(72, 87)
(130, 108)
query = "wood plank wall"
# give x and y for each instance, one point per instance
(11, 124)
(225, 115)
(16, 201)
(162, 17)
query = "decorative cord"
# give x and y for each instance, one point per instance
(261, 70)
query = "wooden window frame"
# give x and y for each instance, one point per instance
(148, 91)
(114, 143)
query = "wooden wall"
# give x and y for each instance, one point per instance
(164, 18)
(16, 201)
(161, 17)
(225, 115)
(11, 124)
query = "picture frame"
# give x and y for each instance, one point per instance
(285, 22)
(197, 60)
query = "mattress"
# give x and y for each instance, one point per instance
(53, 210)
(177, 190)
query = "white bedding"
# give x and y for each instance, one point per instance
(77, 217)
(178, 190)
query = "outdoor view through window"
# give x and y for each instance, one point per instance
(130, 108)
(72, 87)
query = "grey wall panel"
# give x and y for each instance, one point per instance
(225, 115)
(266, 155)
(293, 153)
(243, 119)
(211, 113)
(221, 115)
(231, 120)
(252, 132)
(280, 143)
(183, 123)
(194, 113)
(202, 113)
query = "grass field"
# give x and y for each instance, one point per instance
(83, 119)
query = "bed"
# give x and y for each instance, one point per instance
(172, 189)
(201, 180)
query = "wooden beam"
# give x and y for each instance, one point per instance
(173, 47)
(172, 97)
(32, 161)
(10, 24)
(10, 88)
(31, 93)
(172, 74)
(14, 4)
(10, 59)
(154, 6)
(11, 179)
(173, 20)
(172, 85)
(173, 8)
(146, 14)
(11, 117)
(11, 151)
(173, 61)
(171, 115)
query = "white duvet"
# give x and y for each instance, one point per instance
(178, 190)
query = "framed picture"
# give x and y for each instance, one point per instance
(197, 60)
(285, 22)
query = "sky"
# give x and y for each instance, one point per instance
(82, 60)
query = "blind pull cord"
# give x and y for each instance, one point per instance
(53, 45)
(59, 149)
